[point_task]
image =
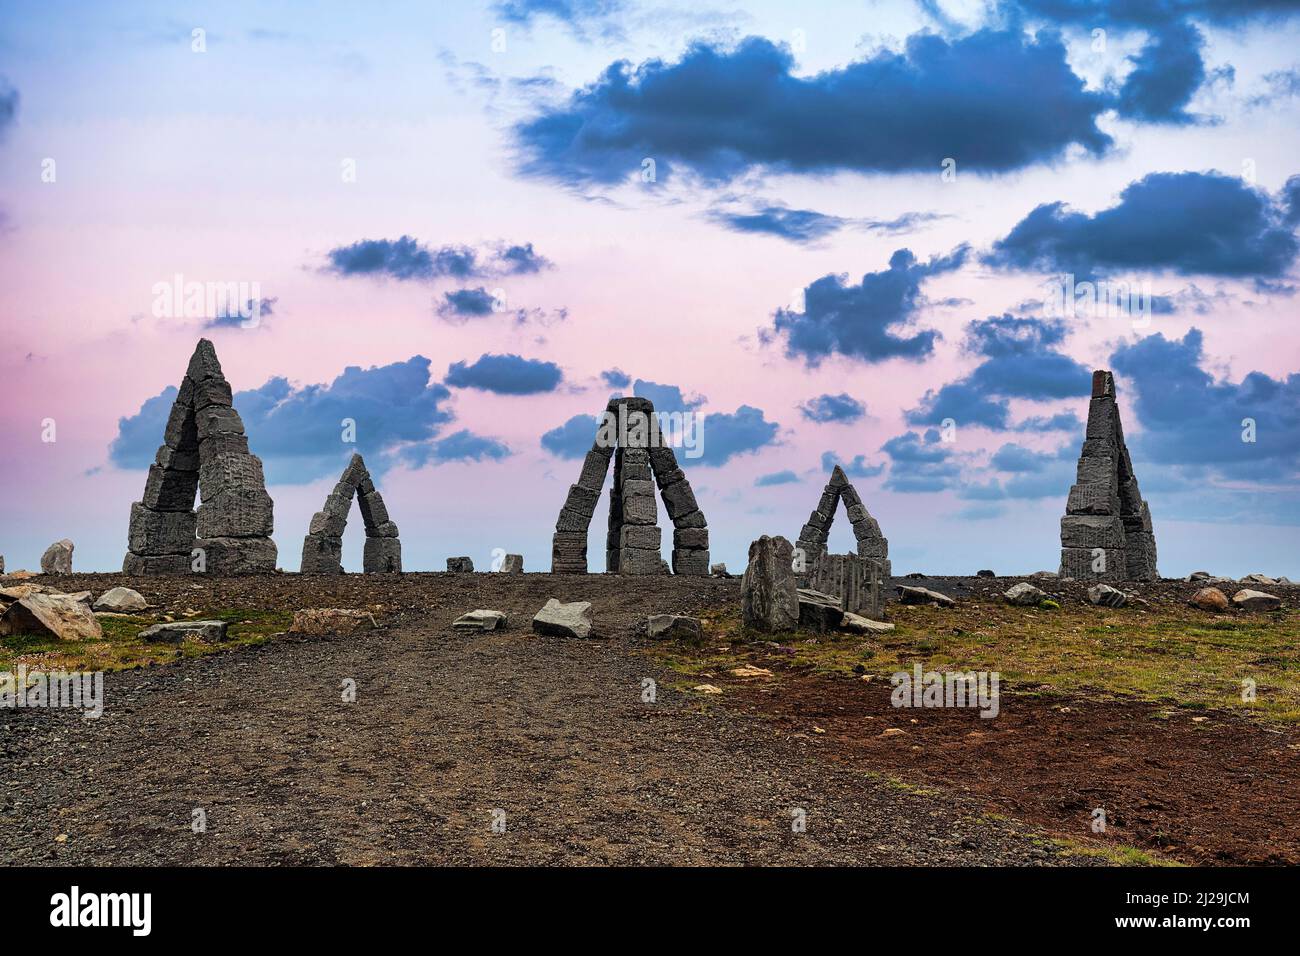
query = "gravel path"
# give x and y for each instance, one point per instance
(445, 730)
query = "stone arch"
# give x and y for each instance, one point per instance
(204, 453)
(866, 530)
(322, 548)
(628, 435)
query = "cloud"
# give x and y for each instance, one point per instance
(1017, 458)
(506, 375)
(577, 15)
(862, 321)
(298, 430)
(994, 100)
(254, 313)
(1020, 360)
(616, 378)
(1166, 72)
(463, 445)
(666, 398)
(407, 259)
(842, 408)
(795, 225)
(776, 478)
(1189, 223)
(1190, 418)
(461, 305)
(8, 105)
(573, 439)
(1061, 422)
(920, 463)
(856, 468)
(726, 435)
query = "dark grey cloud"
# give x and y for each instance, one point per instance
(864, 321)
(776, 478)
(855, 467)
(1188, 223)
(573, 439)
(616, 378)
(842, 408)
(506, 375)
(995, 101)
(407, 259)
(1166, 73)
(920, 463)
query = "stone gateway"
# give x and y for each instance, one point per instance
(322, 548)
(866, 530)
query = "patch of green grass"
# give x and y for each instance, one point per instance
(122, 649)
(1175, 656)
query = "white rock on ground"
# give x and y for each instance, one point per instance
(913, 595)
(673, 627)
(122, 600)
(1107, 596)
(483, 619)
(173, 632)
(57, 558)
(857, 624)
(61, 615)
(564, 620)
(1024, 595)
(331, 620)
(1249, 600)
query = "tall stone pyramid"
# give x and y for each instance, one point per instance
(633, 541)
(204, 451)
(1106, 533)
(866, 530)
(322, 548)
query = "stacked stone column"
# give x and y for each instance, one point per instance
(569, 545)
(634, 516)
(1106, 533)
(322, 548)
(690, 529)
(204, 449)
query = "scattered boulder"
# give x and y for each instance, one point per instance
(564, 620)
(480, 620)
(460, 565)
(511, 564)
(857, 624)
(769, 595)
(1249, 600)
(819, 611)
(914, 576)
(173, 632)
(1045, 574)
(2, 564)
(1258, 579)
(331, 620)
(1209, 599)
(706, 689)
(1024, 595)
(673, 627)
(749, 670)
(913, 595)
(121, 600)
(985, 574)
(57, 558)
(62, 616)
(19, 591)
(1198, 576)
(718, 570)
(21, 575)
(1106, 596)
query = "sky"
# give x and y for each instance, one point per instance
(862, 233)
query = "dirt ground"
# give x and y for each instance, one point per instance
(450, 733)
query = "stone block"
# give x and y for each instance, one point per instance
(382, 556)
(769, 595)
(1098, 471)
(373, 510)
(322, 554)
(643, 536)
(1092, 500)
(679, 500)
(460, 565)
(692, 538)
(218, 420)
(149, 564)
(230, 472)
(633, 488)
(692, 519)
(181, 431)
(594, 469)
(225, 443)
(230, 556)
(245, 513)
(161, 532)
(639, 561)
(170, 490)
(327, 523)
(172, 459)
(582, 501)
(1077, 563)
(386, 530)
(212, 391)
(203, 363)
(1092, 531)
(691, 561)
(640, 510)
(571, 522)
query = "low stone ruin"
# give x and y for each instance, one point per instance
(629, 436)
(1106, 533)
(769, 594)
(204, 452)
(854, 581)
(866, 530)
(322, 548)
